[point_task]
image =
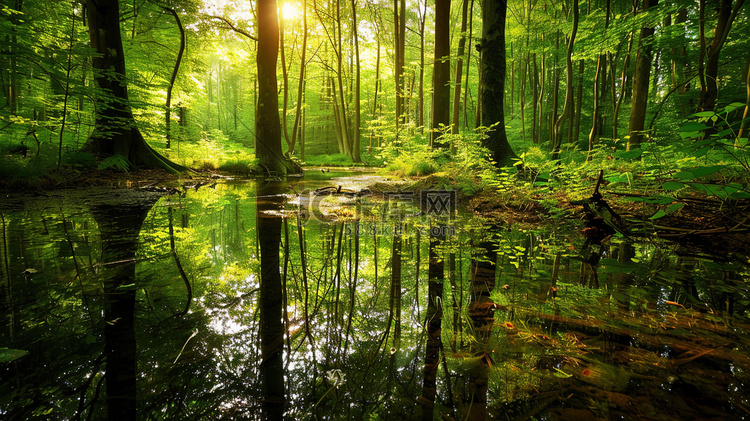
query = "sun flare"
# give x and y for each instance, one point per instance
(290, 11)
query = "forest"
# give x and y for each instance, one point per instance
(327, 209)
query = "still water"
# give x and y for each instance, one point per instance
(255, 300)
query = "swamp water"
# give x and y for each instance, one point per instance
(247, 300)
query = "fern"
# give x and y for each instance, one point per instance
(117, 162)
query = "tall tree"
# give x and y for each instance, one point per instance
(399, 40)
(178, 61)
(116, 132)
(441, 73)
(267, 122)
(459, 67)
(641, 80)
(357, 106)
(492, 84)
(709, 73)
(568, 107)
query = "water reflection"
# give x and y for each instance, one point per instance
(230, 304)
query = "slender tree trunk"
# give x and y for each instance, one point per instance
(433, 323)
(175, 70)
(641, 77)
(421, 64)
(568, 107)
(468, 67)
(481, 312)
(579, 102)
(357, 106)
(459, 68)
(709, 78)
(399, 45)
(441, 93)
(301, 84)
(342, 114)
(617, 99)
(742, 134)
(285, 81)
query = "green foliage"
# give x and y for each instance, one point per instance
(411, 157)
(117, 162)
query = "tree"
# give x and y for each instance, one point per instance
(492, 84)
(568, 107)
(441, 90)
(267, 122)
(709, 72)
(459, 68)
(116, 132)
(641, 81)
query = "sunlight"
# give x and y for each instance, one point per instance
(290, 11)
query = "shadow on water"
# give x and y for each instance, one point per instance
(247, 301)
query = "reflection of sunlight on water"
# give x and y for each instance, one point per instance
(222, 311)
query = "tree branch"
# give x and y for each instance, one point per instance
(234, 28)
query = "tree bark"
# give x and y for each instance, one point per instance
(441, 90)
(178, 60)
(492, 85)
(459, 68)
(116, 132)
(270, 302)
(357, 106)
(709, 85)
(301, 85)
(641, 80)
(568, 107)
(267, 124)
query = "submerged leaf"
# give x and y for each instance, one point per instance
(9, 354)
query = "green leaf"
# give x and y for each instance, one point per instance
(8, 354)
(620, 178)
(704, 171)
(635, 153)
(674, 207)
(693, 126)
(733, 106)
(704, 114)
(672, 185)
(659, 214)
(684, 175)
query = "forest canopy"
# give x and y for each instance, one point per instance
(356, 81)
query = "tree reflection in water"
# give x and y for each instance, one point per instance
(339, 330)
(269, 222)
(120, 221)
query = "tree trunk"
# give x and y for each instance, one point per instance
(301, 85)
(115, 132)
(342, 109)
(357, 106)
(742, 133)
(568, 107)
(267, 124)
(270, 301)
(709, 85)
(441, 90)
(617, 99)
(459, 68)
(422, 19)
(180, 52)
(399, 46)
(642, 74)
(433, 323)
(492, 85)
